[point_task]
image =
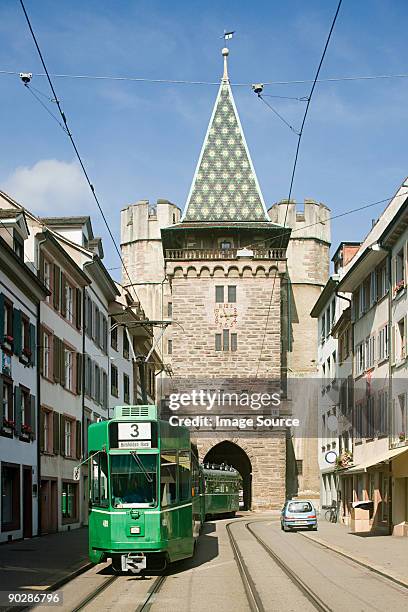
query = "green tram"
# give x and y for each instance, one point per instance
(148, 494)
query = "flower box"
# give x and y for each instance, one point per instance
(8, 342)
(26, 429)
(344, 460)
(8, 426)
(24, 358)
(399, 287)
(401, 436)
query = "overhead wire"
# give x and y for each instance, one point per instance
(278, 115)
(68, 131)
(94, 77)
(294, 169)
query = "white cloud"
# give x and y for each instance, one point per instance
(49, 188)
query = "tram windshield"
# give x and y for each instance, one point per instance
(133, 480)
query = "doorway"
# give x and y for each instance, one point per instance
(27, 502)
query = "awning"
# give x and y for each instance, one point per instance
(387, 456)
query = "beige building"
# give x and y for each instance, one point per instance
(238, 291)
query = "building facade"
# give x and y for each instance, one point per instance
(20, 295)
(376, 277)
(334, 341)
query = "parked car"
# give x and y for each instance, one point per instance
(298, 513)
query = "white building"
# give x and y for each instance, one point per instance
(20, 295)
(334, 371)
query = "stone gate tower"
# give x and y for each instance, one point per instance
(225, 265)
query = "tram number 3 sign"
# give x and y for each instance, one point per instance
(134, 435)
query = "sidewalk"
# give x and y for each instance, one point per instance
(39, 563)
(387, 555)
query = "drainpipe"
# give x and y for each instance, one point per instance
(342, 297)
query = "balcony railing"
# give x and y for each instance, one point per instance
(197, 254)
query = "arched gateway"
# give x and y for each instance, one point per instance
(261, 461)
(232, 454)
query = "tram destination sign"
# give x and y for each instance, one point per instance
(134, 435)
(131, 435)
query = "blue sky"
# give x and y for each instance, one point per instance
(142, 141)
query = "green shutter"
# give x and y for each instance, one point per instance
(41, 350)
(78, 308)
(1, 317)
(63, 295)
(33, 420)
(79, 362)
(17, 409)
(56, 286)
(33, 343)
(42, 426)
(56, 359)
(62, 434)
(1, 402)
(62, 362)
(56, 433)
(78, 431)
(17, 339)
(41, 266)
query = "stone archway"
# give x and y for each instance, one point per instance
(232, 454)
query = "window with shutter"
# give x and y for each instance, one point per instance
(57, 287)
(105, 390)
(79, 367)
(56, 359)
(17, 332)
(32, 343)
(62, 434)
(33, 417)
(56, 433)
(43, 430)
(17, 409)
(64, 295)
(78, 441)
(78, 308)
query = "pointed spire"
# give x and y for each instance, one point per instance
(225, 187)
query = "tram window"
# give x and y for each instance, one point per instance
(133, 480)
(184, 468)
(168, 478)
(99, 480)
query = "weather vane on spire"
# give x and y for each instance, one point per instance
(225, 52)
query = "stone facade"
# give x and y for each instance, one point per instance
(193, 293)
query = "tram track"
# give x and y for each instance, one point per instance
(145, 604)
(95, 593)
(253, 596)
